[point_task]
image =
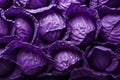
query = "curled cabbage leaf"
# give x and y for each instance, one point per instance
(65, 55)
(110, 28)
(51, 26)
(102, 59)
(80, 27)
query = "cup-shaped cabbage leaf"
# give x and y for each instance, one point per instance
(102, 59)
(23, 23)
(32, 60)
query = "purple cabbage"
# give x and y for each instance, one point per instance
(102, 60)
(44, 39)
(24, 58)
(23, 29)
(105, 54)
(52, 27)
(110, 25)
(23, 23)
(65, 56)
(30, 59)
(82, 28)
